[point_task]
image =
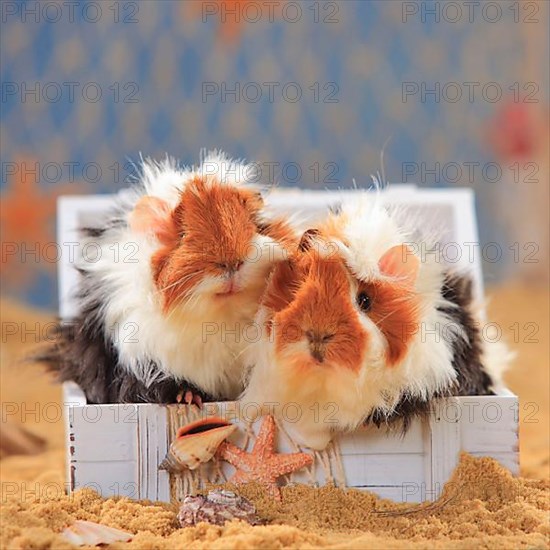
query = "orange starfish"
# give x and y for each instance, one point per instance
(263, 464)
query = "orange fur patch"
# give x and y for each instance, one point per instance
(279, 231)
(395, 310)
(311, 294)
(213, 226)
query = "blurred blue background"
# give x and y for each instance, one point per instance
(322, 88)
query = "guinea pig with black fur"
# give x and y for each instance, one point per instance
(358, 328)
(164, 321)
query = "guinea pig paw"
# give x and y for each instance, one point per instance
(189, 398)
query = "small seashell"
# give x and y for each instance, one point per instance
(196, 443)
(217, 508)
(89, 533)
(223, 497)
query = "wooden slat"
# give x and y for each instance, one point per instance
(152, 448)
(383, 469)
(374, 440)
(108, 478)
(119, 448)
(489, 424)
(103, 433)
(442, 439)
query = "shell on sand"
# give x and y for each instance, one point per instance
(196, 443)
(89, 533)
(217, 507)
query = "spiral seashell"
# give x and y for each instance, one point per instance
(217, 508)
(225, 497)
(196, 443)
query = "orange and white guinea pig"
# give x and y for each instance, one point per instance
(165, 317)
(358, 328)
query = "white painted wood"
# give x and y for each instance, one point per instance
(443, 443)
(118, 448)
(152, 446)
(372, 440)
(391, 469)
(73, 395)
(104, 432)
(103, 453)
(489, 427)
(72, 213)
(109, 478)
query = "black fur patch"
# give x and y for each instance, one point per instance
(402, 415)
(472, 379)
(83, 354)
(94, 232)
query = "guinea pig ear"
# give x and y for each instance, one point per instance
(153, 216)
(281, 286)
(307, 239)
(252, 198)
(401, 263)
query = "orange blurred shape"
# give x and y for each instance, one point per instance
(27, 221)
(517, 130)
(232, 15)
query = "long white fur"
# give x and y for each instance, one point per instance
(369, 232)
(180, 342)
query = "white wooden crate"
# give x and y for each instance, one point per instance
(117, 449)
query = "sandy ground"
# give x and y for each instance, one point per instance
(516, 516)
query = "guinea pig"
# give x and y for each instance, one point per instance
(176, 278)
(357, 328)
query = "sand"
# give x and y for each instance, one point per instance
(483, 506)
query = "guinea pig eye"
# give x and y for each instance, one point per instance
(363, 301)
(262, 228)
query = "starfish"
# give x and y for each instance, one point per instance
(263, 464)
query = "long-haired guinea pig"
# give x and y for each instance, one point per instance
(358, 328)
(165, 317)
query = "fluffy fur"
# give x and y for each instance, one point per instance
(345, 359)
(170, 313)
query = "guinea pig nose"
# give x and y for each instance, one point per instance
(231, 267)
(318, 355)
